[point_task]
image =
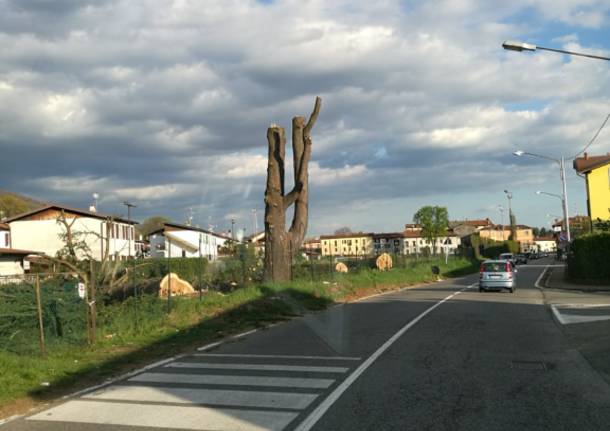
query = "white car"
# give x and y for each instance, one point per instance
(497, 275)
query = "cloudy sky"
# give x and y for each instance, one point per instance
(166, 104)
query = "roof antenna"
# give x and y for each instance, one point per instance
(93, 207)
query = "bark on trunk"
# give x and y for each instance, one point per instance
(282, 246)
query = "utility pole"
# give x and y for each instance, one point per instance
(255, 222)
(233, 229)
(130, 234)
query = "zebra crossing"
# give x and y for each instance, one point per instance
(207, 391)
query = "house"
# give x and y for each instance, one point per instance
(312, 248)
(596, 170)
(347, 244)
(5, 235)
(13, 263)
(257, 240)
(40, 230)
(178, 240)
(545, 244)
(413, 243)
(142, 248)
(579, 225)
(465, 228)
(524, 235)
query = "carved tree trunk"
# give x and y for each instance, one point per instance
(280, 245)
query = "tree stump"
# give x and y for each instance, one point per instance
(280, 245)
(384, 262)
(341, 267)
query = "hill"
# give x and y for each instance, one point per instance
(13, 203)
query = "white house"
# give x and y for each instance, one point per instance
(414, 243)
(40, 230)
(13, 262)
(545, 244)
(178, 240)
(5, 235)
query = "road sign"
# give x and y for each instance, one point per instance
(81, 290)
(563, 237)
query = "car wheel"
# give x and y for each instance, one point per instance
(511, 290)
(480, 289)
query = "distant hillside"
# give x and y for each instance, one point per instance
(13, 203)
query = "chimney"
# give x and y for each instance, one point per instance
(586, 156)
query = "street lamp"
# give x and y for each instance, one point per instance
(562, 175)
(511, 216)
(513, 45)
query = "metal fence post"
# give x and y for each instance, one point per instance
(169, 278)
(91, 304)
(43, 350)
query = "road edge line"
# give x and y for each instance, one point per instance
(323, 407)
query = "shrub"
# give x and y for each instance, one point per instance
(589, 258)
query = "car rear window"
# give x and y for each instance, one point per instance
(495, 267)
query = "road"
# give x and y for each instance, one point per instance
(438, 357)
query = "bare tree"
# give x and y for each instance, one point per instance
(281, 245)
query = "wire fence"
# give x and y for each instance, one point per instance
(42, 311)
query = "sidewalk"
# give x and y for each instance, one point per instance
(555, 279)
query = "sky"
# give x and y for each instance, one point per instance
(166, 104)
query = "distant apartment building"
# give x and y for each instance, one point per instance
(523, 234)
(178, 240)
(40, 231)
(348, 244)
(388, 242)
(312, 248)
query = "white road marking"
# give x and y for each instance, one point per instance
(325, 358)
(319, 411)
(209, 346)
(243, 334)
(159, 416)
(261, 367)
(537, 283)
(206, 379)
(539, 266)
(281, 400)
(569, 319)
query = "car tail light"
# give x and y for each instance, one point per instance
(509, 270)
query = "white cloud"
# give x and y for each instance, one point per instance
(329, 176)
(168, 102)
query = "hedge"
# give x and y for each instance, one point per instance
(589, 258)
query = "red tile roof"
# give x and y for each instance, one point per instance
(78, 211)
(588, 163)
(16, 251)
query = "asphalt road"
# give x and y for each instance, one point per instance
(443, 356)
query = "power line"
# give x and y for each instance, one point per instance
(594, 137)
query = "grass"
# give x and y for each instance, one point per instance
(129, 336)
